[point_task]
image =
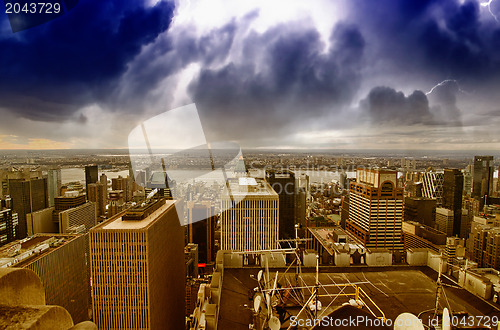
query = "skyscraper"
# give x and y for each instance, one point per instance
(137, 267)
(202, 232)
(91, 176)
(283, 183)
(27, 196)
(69, 200)
(253, 223)
(59, 261)
(432, 186)
(482, 177)
(453, 184)
(376, 209)
(80, 218)
(8, 222)
(125, 184)
(444, 220)
(97, 193)
(420, 209)
(53, 185)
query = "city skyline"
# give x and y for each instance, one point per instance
(340, 75)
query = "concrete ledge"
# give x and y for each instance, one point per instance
(86, 325)
(35, 317)
(20, 286)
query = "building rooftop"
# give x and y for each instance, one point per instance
(22, 252)
(117, 222)
(248, 186)
(394, 289)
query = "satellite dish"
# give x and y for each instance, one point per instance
(259, 275)
(315, 305)
(256, 303)
(13, 250)
(408, 321)
(274, 323)
(446, 320)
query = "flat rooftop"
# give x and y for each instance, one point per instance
(22, 252)
(394, 289)
(117, 223)
(248, 186)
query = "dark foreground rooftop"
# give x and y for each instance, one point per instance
(394, 290)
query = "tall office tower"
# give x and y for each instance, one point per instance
(137, 268)
(69, 200)
(283, 183)
(103, 179)
(202, 232)
(27, 196)
(453, 184)
(301, 194)
(444, 220)
(432, 186)
(467, 172)
(78, 219)
(482, 177)
(8, 222)
(91, 176)
(253, 223)
(471, 205)
(498, 182)
(376, 209)
(124, 184)
(59, 261)
(18, 175)
(97, 193)
(116, 202)
(344, 211)
(53, 184)
(483, 244)
(420, 209)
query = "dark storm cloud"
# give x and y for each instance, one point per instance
(50, 71)
(386, 106)
(285, 75)
(173, 53)
(433, 38)
(445, 106)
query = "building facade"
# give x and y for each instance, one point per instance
(253, 223)
(202, 232)
(283, 183)
(376, 209)
(420, 209)
(91, 176)
(453, 184)
(60, 262)
(137, 269)
(432, 186)
(482, 176)
(27, 196)
(8, 222)
(98, 193)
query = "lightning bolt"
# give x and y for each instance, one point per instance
(488, 4)
(444, 82)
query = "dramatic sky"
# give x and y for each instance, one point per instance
(336, 74)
